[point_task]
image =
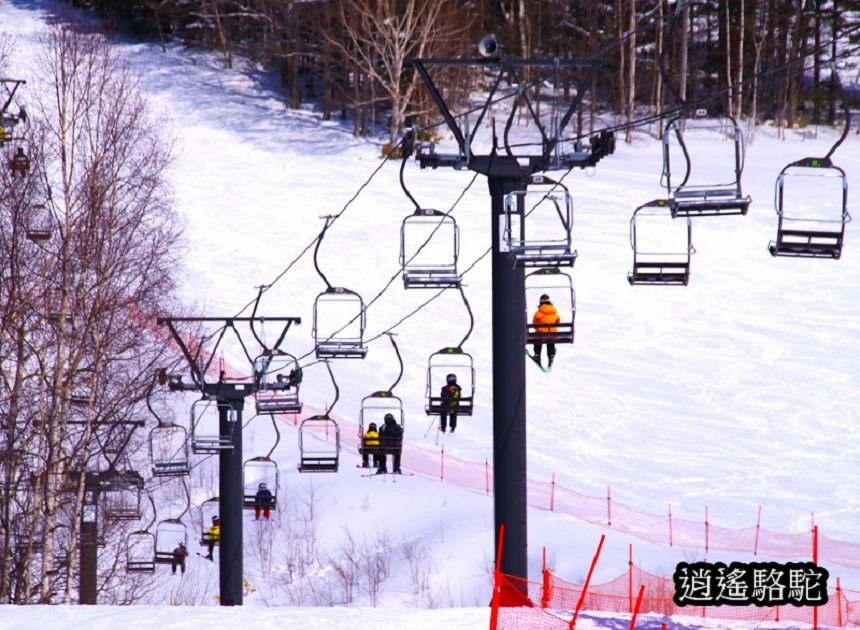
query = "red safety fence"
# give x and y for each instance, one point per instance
(661, 529)
(550, 603)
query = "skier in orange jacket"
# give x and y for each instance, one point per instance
(545, 320)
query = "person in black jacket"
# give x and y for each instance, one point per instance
(450, 395)
(263, 502)
(179, 555)
(391, 440)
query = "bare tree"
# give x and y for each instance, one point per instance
(77, 311)
(378, 36)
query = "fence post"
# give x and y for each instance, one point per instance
(638, 604)
(815, 561)
(546, 588)
(581, 600)
(838, 603)
(552, 493)
(757, 530)
(487, 474)
(442, 465)
(630, 580)
(670, 524)
(497, 581)
(707, 537)
(608, 506)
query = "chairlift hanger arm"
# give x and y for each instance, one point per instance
(593, 68)
(419, 65)
(16, 83)
(399, 359)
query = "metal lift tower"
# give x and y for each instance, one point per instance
(506, 172)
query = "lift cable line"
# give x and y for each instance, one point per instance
(394, 276)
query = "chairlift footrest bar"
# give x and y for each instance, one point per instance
(709, 207)
(431, 282)
(318, 465)
(341, 353)
(523, 261)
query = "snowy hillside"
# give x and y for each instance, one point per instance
(735, 392)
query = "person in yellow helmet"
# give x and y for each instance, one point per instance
(546, 320)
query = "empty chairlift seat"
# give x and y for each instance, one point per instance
(703, 159)
(168, 451)
(429, 249)
(207, 436)
(319, 445)
(339, 321)
(140, 552)
(662, 245)
(537, 225)
(811, 201)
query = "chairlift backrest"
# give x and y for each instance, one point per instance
(376, 405)
(168, 450)
(339, 322)
(206, 431)
(259, 470)
(319, 444)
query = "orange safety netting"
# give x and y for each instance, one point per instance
(549, 604)
(664, 529)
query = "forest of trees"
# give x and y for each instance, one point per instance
(88, 247)
(768, 59)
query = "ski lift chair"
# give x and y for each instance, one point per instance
(19, 163)
(168, 451)
(140, 552)
(374, 408)
(7, 127)
(281, 393)
(662, 246)
(694, 196)
(206, 437)
(339, 321)
(39, 222)
(429, 248)
(537, 225)
(168, 534)
(255, 471)
(120, 494)
(208, 509)
(559, 287)
(439, 365)
(811, 192)
(317, 454)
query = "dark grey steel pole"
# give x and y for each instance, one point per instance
(509, 391)
(89, 562)
(231, 494)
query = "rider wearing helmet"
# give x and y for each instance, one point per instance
(450, 395)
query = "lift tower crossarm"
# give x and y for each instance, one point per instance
(601, 145)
